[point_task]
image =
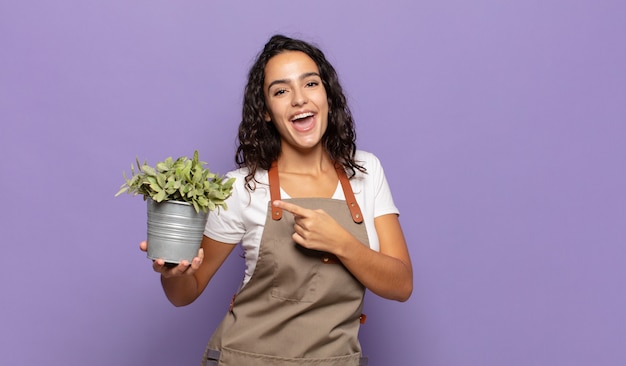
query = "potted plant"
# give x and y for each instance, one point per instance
(180, 193)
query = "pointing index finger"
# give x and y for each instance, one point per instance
(294, 209)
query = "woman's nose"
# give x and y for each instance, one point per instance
(298, 98)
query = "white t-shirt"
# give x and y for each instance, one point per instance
(247, 211)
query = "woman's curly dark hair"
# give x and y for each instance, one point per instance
(259, 141)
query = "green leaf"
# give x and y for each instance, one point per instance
(159, 197)
(195, 205)
(161, 180)
(149, 170)
(122, 190)
(155, 187)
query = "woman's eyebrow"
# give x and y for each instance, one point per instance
(286, 81)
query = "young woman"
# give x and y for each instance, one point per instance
(314, 216)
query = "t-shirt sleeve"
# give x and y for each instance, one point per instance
(383, 198)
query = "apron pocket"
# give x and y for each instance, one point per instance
(295, 282)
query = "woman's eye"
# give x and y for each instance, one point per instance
(279, 92)
(312, 83)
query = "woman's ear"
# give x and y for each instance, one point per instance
(267, 117)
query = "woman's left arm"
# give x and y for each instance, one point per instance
(387, 273)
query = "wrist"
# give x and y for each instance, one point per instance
(347, 247)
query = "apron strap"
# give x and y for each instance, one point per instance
(353, 206)
(277, 213)
(355, 210)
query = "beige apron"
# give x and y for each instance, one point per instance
(300, 307)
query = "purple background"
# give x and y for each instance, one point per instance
(500, 124)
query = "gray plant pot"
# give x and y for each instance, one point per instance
(175, 230)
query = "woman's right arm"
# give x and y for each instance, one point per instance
(184, 283)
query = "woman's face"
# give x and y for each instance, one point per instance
(296, 99)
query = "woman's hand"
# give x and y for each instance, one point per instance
(184, 282)
(183, 268)
(315, 229)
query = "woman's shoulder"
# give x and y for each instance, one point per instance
(367, 159)
(259, 183)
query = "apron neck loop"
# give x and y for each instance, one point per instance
(277, 213)
(353, 206)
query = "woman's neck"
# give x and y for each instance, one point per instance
(307, 175)
(312, 162)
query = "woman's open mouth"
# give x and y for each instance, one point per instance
(304, 121)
